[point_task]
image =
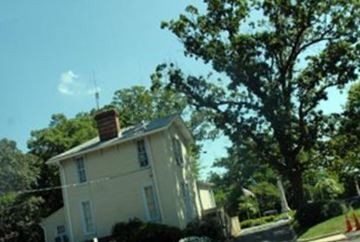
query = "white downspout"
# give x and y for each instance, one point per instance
(152, 166)
(66, 202)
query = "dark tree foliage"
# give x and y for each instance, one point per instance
(344, 145)
(277, 59)
(61, 135)
(242, 170)
(19, 210)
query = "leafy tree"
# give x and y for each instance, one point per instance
(138, 103)
(248, 205)
(344, 146)
(267, 195)
(276, 60)
(242, 170)
(18, 209)
(61, 135)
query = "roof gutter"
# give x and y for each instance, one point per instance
(57, 159)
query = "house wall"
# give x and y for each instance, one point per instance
(115, 183)
(179, 174)
(206, 197)
(115, 192)
(50, 224)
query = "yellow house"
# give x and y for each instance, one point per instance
(141, 172)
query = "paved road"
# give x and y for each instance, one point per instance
(283, 233)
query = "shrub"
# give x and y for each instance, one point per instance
(210, 228)
(333, 208)
(258, 221)
(316, 212)
(137, 231)
(309, 214)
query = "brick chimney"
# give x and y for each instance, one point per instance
(107, 124)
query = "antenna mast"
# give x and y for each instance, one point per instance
(97, 96)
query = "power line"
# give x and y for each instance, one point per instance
(74, 185)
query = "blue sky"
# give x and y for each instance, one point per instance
(50, 48)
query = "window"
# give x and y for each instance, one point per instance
(151, 204)
(81, 169)
(185, 190)
(60, 229)
(142, 156)
(61, 235)
(88, 223)
(177, 151)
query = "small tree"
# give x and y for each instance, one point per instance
(249, 206)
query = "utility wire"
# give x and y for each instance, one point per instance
(74, 185)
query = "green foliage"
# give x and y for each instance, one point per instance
(313, 213)
(271, 79)
(138, 103)
(208, 227)
(248, 205)
(18, 171)
(242, 170)
(267, 195)
(19, 212)
(344, 146)
(61, 135)
(137, 231)
(328, 188)
(263, 220)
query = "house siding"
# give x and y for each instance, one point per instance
(115, 184)
(50, 225)
(114, 191)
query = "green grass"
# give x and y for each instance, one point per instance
(333, 225)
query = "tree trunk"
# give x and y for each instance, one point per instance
(297, 188)
(357, 186)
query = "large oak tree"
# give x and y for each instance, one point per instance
(276, 60)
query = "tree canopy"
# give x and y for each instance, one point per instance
(277, 60)
(19, 210)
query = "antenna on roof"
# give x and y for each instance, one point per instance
(97, 95)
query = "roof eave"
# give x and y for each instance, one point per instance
(55, 159)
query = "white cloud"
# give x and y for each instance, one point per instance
(72, 84)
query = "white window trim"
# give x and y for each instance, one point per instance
(146, 146)
(77, 169)
(66, 200)
(86, 233)
(147, 211)
(177, 146)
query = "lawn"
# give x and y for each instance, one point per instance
(333, 225)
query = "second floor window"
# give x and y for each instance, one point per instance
(142, 155)
(177, 151)
(81, 169)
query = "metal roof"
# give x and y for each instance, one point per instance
(125, 134)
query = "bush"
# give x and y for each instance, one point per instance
(263, 220)
(137, 231)
(309, 214)
(332, 209)
(210, 228)
(258, 221)
(316, 212)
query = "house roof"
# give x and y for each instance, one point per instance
(126, 134)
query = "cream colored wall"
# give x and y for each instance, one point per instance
(50, 224)
(207, 198)
(116, 193)
(181, 174)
